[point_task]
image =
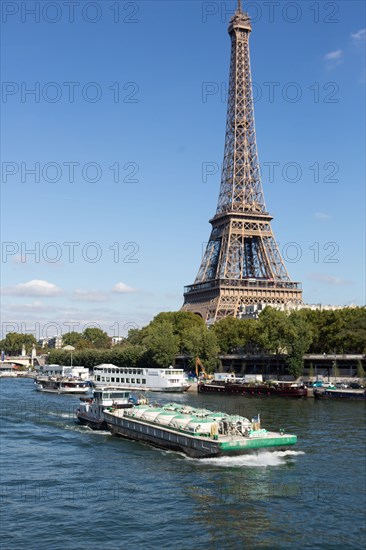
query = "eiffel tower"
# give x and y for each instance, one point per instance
(242, 264)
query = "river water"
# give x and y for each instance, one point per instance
(66, 487)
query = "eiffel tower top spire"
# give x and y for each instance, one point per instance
(241, 187)
(240, 19)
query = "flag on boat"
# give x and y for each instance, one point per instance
(256, 421)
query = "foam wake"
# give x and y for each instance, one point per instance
(260, 460)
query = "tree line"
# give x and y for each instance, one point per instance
(171, 334)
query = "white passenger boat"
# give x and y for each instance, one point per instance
(51, 384)
(91, 409)
(164, 380)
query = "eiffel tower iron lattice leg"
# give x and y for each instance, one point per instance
(242, 264)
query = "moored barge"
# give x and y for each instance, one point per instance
(272, 388)
(199, 433)
(342, 393)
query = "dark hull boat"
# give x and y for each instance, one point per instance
(330, 393)
(279, 389)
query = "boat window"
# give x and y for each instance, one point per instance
(130, 371)
(109, 370)
(98, 378)
(112, 379)
(138, 381)
(122, 380)
(134, 372)
(127, 380)
(144, 380)
(103, 379)
(132, 380)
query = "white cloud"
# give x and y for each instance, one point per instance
(17, 259)
(80, 295)
(327, 279)
(333, 59)
(322, 216)
(36, 287)
(359, 36)
(121, 288)
(334, 56)
(33, 307)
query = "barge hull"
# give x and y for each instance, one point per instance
(339, 394)
(93, 424)
(254, 391)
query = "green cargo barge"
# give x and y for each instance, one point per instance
(199, 433)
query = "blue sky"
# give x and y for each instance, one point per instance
(142, 90)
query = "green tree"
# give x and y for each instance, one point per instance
(199, 341)
(136, 336)
(210, 350)
(335, 369)
(161, 343)
(298, 340)
(273, 330)
(13, 342)
(72, 338)
(126, 356)
(228, 334)
(360, 369)
(311, 371)
(97, 338)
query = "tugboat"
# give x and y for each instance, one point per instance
(199, 433)
(91, 409)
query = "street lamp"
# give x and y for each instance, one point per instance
(70, 349)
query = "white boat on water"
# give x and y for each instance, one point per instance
(51, 384)
(163, 380)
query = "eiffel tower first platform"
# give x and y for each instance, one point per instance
(242, 264)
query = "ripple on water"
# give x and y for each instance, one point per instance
(71, 487)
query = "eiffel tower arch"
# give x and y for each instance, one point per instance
(242, 264)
